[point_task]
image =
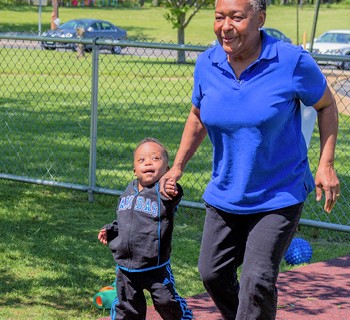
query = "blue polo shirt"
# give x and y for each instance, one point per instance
(254, 123)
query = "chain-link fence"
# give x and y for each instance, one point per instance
(74, 122)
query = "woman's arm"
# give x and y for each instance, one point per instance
(192, 136)
(326, 179)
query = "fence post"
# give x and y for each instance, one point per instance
(93, 126)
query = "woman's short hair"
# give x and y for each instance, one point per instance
(257, 5)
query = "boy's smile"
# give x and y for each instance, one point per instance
(150, 163)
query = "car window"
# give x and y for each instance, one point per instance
(275, 33)
(81, 24)
(93, 27)
(328, 37)
(73, 24)
(343, 38)
(69, 25)
(106, 26)
(335, 37)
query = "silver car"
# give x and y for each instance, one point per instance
(333, 42)
(93, 28)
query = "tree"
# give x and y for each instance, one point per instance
(180, 13)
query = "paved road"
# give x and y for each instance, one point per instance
(319, 291)
(133, 51)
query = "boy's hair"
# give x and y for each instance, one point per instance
(150, 139)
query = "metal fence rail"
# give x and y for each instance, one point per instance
(73, 122)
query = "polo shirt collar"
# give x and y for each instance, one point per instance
(268, 52)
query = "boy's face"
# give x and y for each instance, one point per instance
(150, 163)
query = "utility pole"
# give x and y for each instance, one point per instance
(39, 18)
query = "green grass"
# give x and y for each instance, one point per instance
(52, 264)
(148, 23)
(58, 113)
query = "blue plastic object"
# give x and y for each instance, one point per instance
(299, 251)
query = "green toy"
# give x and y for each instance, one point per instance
(105, 297)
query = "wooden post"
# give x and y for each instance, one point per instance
(54, 15)
(80, 47)
(304, 40)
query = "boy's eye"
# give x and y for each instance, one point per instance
(141, 160)
(156, 158)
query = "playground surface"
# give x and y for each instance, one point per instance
(317, 291)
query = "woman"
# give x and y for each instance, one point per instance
(246, 97)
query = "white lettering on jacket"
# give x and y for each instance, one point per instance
(142, 204)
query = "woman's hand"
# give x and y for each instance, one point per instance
(327, 181)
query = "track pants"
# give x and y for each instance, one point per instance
(255, 241)
(131, 302)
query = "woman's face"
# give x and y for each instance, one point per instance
(237, 25)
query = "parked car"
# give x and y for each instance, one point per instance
(270, 31)
(277, 34)
(333, 42)
(93, 28)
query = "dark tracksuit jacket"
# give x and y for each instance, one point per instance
(140, 237)
(140, 240)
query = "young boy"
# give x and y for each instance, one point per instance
(140, 240)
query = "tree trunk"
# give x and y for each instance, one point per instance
(181, 55)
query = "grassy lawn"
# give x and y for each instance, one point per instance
(148, 23)
(51, 263)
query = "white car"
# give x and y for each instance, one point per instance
(333, 42)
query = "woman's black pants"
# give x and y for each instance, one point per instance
(257, 242)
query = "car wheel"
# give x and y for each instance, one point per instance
(345, 65)
(116, 50)
(47, 48)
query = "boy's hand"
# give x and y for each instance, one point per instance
(102, 236)
(173, 175)
(171, 188)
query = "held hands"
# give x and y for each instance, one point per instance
(102, 236)
(327, 181)
(167, 183)
(171, 188)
